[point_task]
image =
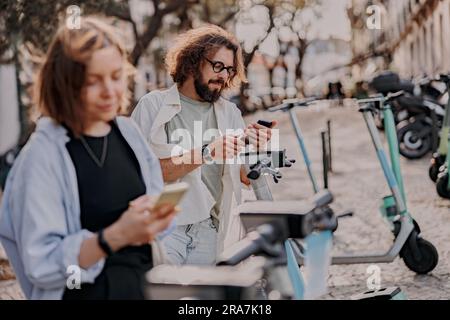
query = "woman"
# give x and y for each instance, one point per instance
(77, 207)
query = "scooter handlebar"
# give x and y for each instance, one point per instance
(292, 103)
(394, 95)
(261, 240)
(381, 99)
(444, 78)
(256, 170)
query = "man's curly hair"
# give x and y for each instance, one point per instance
(190, 48)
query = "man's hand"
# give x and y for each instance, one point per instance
(244, 178)
(226, 147)
(259, 135)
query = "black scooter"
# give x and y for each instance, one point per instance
(418, 114)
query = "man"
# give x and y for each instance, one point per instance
(190, 128)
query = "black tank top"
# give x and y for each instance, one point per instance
(105, 193)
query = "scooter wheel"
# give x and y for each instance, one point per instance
(441, 186)
(436, 162)
(429, 257)
(409, 143)
(433, 172)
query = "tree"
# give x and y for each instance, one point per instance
(33, 23)
(279, 15)
(24, 33)
(21, 22)
(295, 26)
(154, 23)
(28, 27)
(215, 12)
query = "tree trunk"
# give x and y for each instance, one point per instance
(299, 68)
(144, 41)
(271, 83)
(243, 99)
(249, 57)
(154, 25)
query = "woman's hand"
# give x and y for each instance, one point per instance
(140, 223)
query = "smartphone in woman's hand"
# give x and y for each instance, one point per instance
(172, 194)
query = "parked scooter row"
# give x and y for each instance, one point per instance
(418, 254)
(291, 235)
(422, 121)
(418, 114)
(438, 170)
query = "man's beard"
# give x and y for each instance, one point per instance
(204, 92)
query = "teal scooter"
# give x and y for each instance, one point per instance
(289, 106)
(290, 265)
(418, 254)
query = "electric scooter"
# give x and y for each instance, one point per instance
(270, 224)
(418, 254)
(439, 158)
(295, 253)
(418, 134)
(265, 272)
(443, 181)
(288, 106)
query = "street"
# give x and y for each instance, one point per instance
(357, 184)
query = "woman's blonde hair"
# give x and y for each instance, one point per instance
(62, 75)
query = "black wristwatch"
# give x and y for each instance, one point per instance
(103, 244)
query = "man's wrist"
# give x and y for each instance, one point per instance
(207, 156)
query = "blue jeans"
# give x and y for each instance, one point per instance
(193, 244)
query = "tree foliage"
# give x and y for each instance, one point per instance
(35, 22)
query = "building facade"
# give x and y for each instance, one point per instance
(412, 40)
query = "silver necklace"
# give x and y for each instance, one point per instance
(91, 153)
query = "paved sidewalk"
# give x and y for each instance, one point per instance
(9, 287)
(358, 184)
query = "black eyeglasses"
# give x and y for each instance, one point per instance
(219, 66)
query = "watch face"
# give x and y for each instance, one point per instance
(207, 154)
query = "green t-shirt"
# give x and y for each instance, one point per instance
(200, 114)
